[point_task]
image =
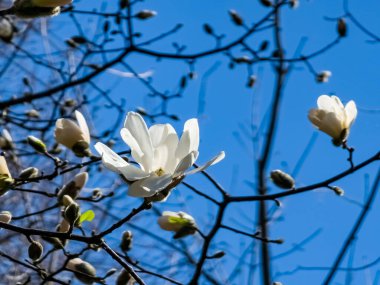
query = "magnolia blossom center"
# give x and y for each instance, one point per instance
(160, 171)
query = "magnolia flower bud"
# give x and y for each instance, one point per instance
(266, 3)
(251, 81)
(6, 29)
(126, 241)
(70, 103)
(74, 136)
(67, 200)
(217, 255)
(63, 227)
(242, 59)
(338, 191)
(83, 270)
(6, 179)
(282, 179)
(37, 144)
(73, 188)
(294, 3)
(33, 114)
(6, 141)
(277, 283)
(342, 27)
(236, 18)
(38, 8)
(29, 172)
(124, 278)
(145, 14)
(323, 76)
(72, 213)
(181, 223)
(56, 242)
(5, 217)
(35, 250)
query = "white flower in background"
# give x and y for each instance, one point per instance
(333, 118)
(164, 159)
(324, 76)
(179, 222)
(5, 217)
(5, 176)
(74, 136)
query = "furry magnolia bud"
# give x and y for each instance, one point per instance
(145, 14)
(282, 179)
(124, 278)
(37, 144)
(338, 191)
(72, 213)
(236, 18)
(35, 250)
(126, 241)
(83, 270)
(73, 188)
(29, 172)
(342, 27)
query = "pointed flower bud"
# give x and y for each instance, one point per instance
(74, 136)
(38, 8)
(145, 14)
(323, 76)
(6, 29)
(6, 141)
(5, 217)
(342, 27)
(179, 222)
(126, 241)
(72, 213)
(236, 18)
(282, 179)
(29, 172)
(37, 144)
(73, 188)
(35, 250)
(332, 118)
(6, 179)
(266, 3)
(83, 270)
(338, 191)
(124, 278)
(33, 113)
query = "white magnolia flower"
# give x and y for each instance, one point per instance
(164, 159)
(333, 118)
(74, 136)
(179, 222)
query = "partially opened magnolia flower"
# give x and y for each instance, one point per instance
(179, 222)
(74, 136)
(164, 159)
(6, 179)
(38, 8)
(333, 118)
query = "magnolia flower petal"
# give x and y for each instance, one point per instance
(149, 186)
(115, 163)
(351, 113)
(138, 129)
(68, 132)
(212, 161)
(83, 126)
(189, 140)
(159, 133)
(128, 138)
(4, 166)
(331, 125)
(185, 164)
